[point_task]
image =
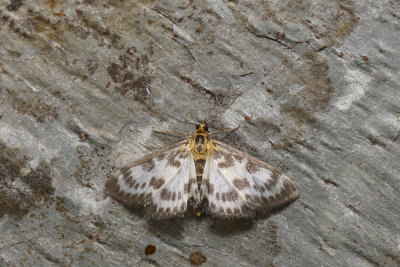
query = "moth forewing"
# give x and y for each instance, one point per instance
(262, 185)
(159, 182)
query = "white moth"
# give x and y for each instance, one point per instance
(203, 173)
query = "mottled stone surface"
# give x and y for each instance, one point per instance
(314, 84)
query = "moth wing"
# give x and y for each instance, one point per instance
(238, 184)
(221, 198)
(159, 182)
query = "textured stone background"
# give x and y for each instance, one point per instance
(314, 85)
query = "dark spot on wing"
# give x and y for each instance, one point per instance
(166, 194)
(287, 193)
(148, 198)
(246, 211)
(228, 160)
(161, 156)
(216, 154)
(183, 154)
(210, 189)
(140, 199)
(223, 165)
(127, 177)
(132, 182)
(231, 196)
(248, 197)
(241, 184)
(186, 188)
(289, 190)
(252, 167)
(172, 158)
(156, 183)
(257, 199)
(273, 180)
(129, 199)
(238, 157)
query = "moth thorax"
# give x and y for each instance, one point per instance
(200, 143)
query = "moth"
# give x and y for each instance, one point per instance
(205, 174)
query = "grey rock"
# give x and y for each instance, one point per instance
(314, 85)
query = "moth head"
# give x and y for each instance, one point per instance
(202, 127)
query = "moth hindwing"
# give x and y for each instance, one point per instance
(203, 173)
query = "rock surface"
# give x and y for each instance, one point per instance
(314, 84)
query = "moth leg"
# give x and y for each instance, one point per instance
(172, 133)
(226, 131)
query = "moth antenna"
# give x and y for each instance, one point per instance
(225, 131)
(169, 116)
